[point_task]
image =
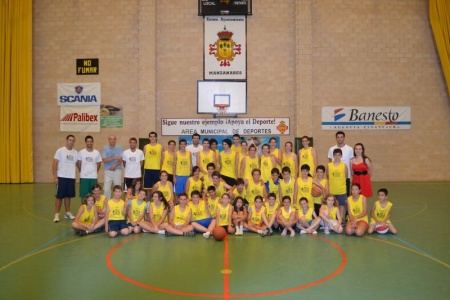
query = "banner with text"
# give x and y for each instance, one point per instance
(225, 53)
(80, 118)
(366, 118)
(222, 126)
(77, 94)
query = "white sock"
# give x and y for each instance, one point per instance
(161, 232)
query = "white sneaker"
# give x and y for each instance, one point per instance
(69, 216)
(206, 234)
(314, 232)
(163, 232)
(56, 218)
(259, 231)
(327, 230)
(302, 231)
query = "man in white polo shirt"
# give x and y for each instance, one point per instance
(133, 159)
(194, 148)
(89, 162)
(64, 173)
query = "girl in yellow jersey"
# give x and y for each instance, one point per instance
(287, 184)
(180, 218)
(272, 207)
(320, 177)
(287, 217)
(136, 211)
(307, 155)
(275, 152)
(239, 215)
(99, 201)
(357, 212)
(86, 221)
(158, 211)
(289, 159)
(267, 162)
(330, 215)
(201, 218)
(255, 187)
(228, 163)
(224, 212)
(183, 167)
(257, 220)
(249, 163)
(168, 160)
(194, 183)
(303, 187)
(204, 157)
(165, 187)
(381, 212)
(241, 155)
(212, 200)
(116, 210)
(308, 221)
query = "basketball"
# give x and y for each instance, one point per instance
(316, 191)
(382, 229)
(219, 233)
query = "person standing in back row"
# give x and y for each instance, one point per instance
(194, 148)
(347, 155)
(89, 162)
(153, 161)
(112, 158)
(133, 160)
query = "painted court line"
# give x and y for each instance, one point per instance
(46, 244)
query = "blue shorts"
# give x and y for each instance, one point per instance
(342, 199)
(203, 222)
(116, 225)
(150, 178)
(65, 188)
(181, 184)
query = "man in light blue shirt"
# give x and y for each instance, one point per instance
(112, 158)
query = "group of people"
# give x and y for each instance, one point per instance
(196, 188)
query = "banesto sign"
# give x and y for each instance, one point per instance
(88, 66)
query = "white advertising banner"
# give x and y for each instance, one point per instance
(366, 118)
(78, 94)
(80, 118)
(226, 126)
(225, 48)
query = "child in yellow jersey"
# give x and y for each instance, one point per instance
(86, 221)
(213, 146)
(331, 215)
(287, 217)
(239, 190)
(267, 163)
(165, 187)
(183, 167)
(255, 187)
(257, 220)
(275, 152)
(158, 211)
(204, 157)
(239, 215)
(287, 184)
(249, 163)
(381, 213)
(207, 180)
(116, 210)
(180, 219)
(272, 207)
(289, 159)
(221, 186)
(303, 187)
(99, 201)
(194, 183)
(273, 184)
(136, 211)
(133, 189)
(228, 163)
(224, 212)
(212, 200)
(357, 212)
(337, 174)
(320, 177)
(307, 155)
(201, 218)
(308, 221)
(168, 160)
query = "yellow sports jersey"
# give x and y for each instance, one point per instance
(356, 207)
(116, 210)
(194, 185)
(228, 164)
(250, 165)
(337, 179)
(243, 194)
(180, 217)
(318, 200)
(308, 215)
(289, 162)
(137, 209)
(306, 157)
(198, 211)
(381, 213)
(220, 190)
(158, 211)
(166, 190)
(207, 182)
(257, 215)
(100, 204)
(212, 205)
(87, 217)
(304, 190)
(167, 164)
(287, 189)
(270, 211)
(153, 157)
(286, 214)
(236, 150)
(266, 167)
(205, 159)
(183, 164)
(332, 214)
(253, 190)
(274, 188)
(224, 214)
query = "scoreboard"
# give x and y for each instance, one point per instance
(224, 7)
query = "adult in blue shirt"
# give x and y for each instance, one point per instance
(112, 158)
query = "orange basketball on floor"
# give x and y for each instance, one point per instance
(316, 191)
(219, 233)
(382, 229)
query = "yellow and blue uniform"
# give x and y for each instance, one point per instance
(153, 155)
(183, 164)
(198, 211)
(228, 164)
(116, 210)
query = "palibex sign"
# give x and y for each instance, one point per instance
(75, 94)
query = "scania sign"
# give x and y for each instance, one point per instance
(78, 98)
(78, 94)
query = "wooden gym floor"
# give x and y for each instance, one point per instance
(43, 260)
